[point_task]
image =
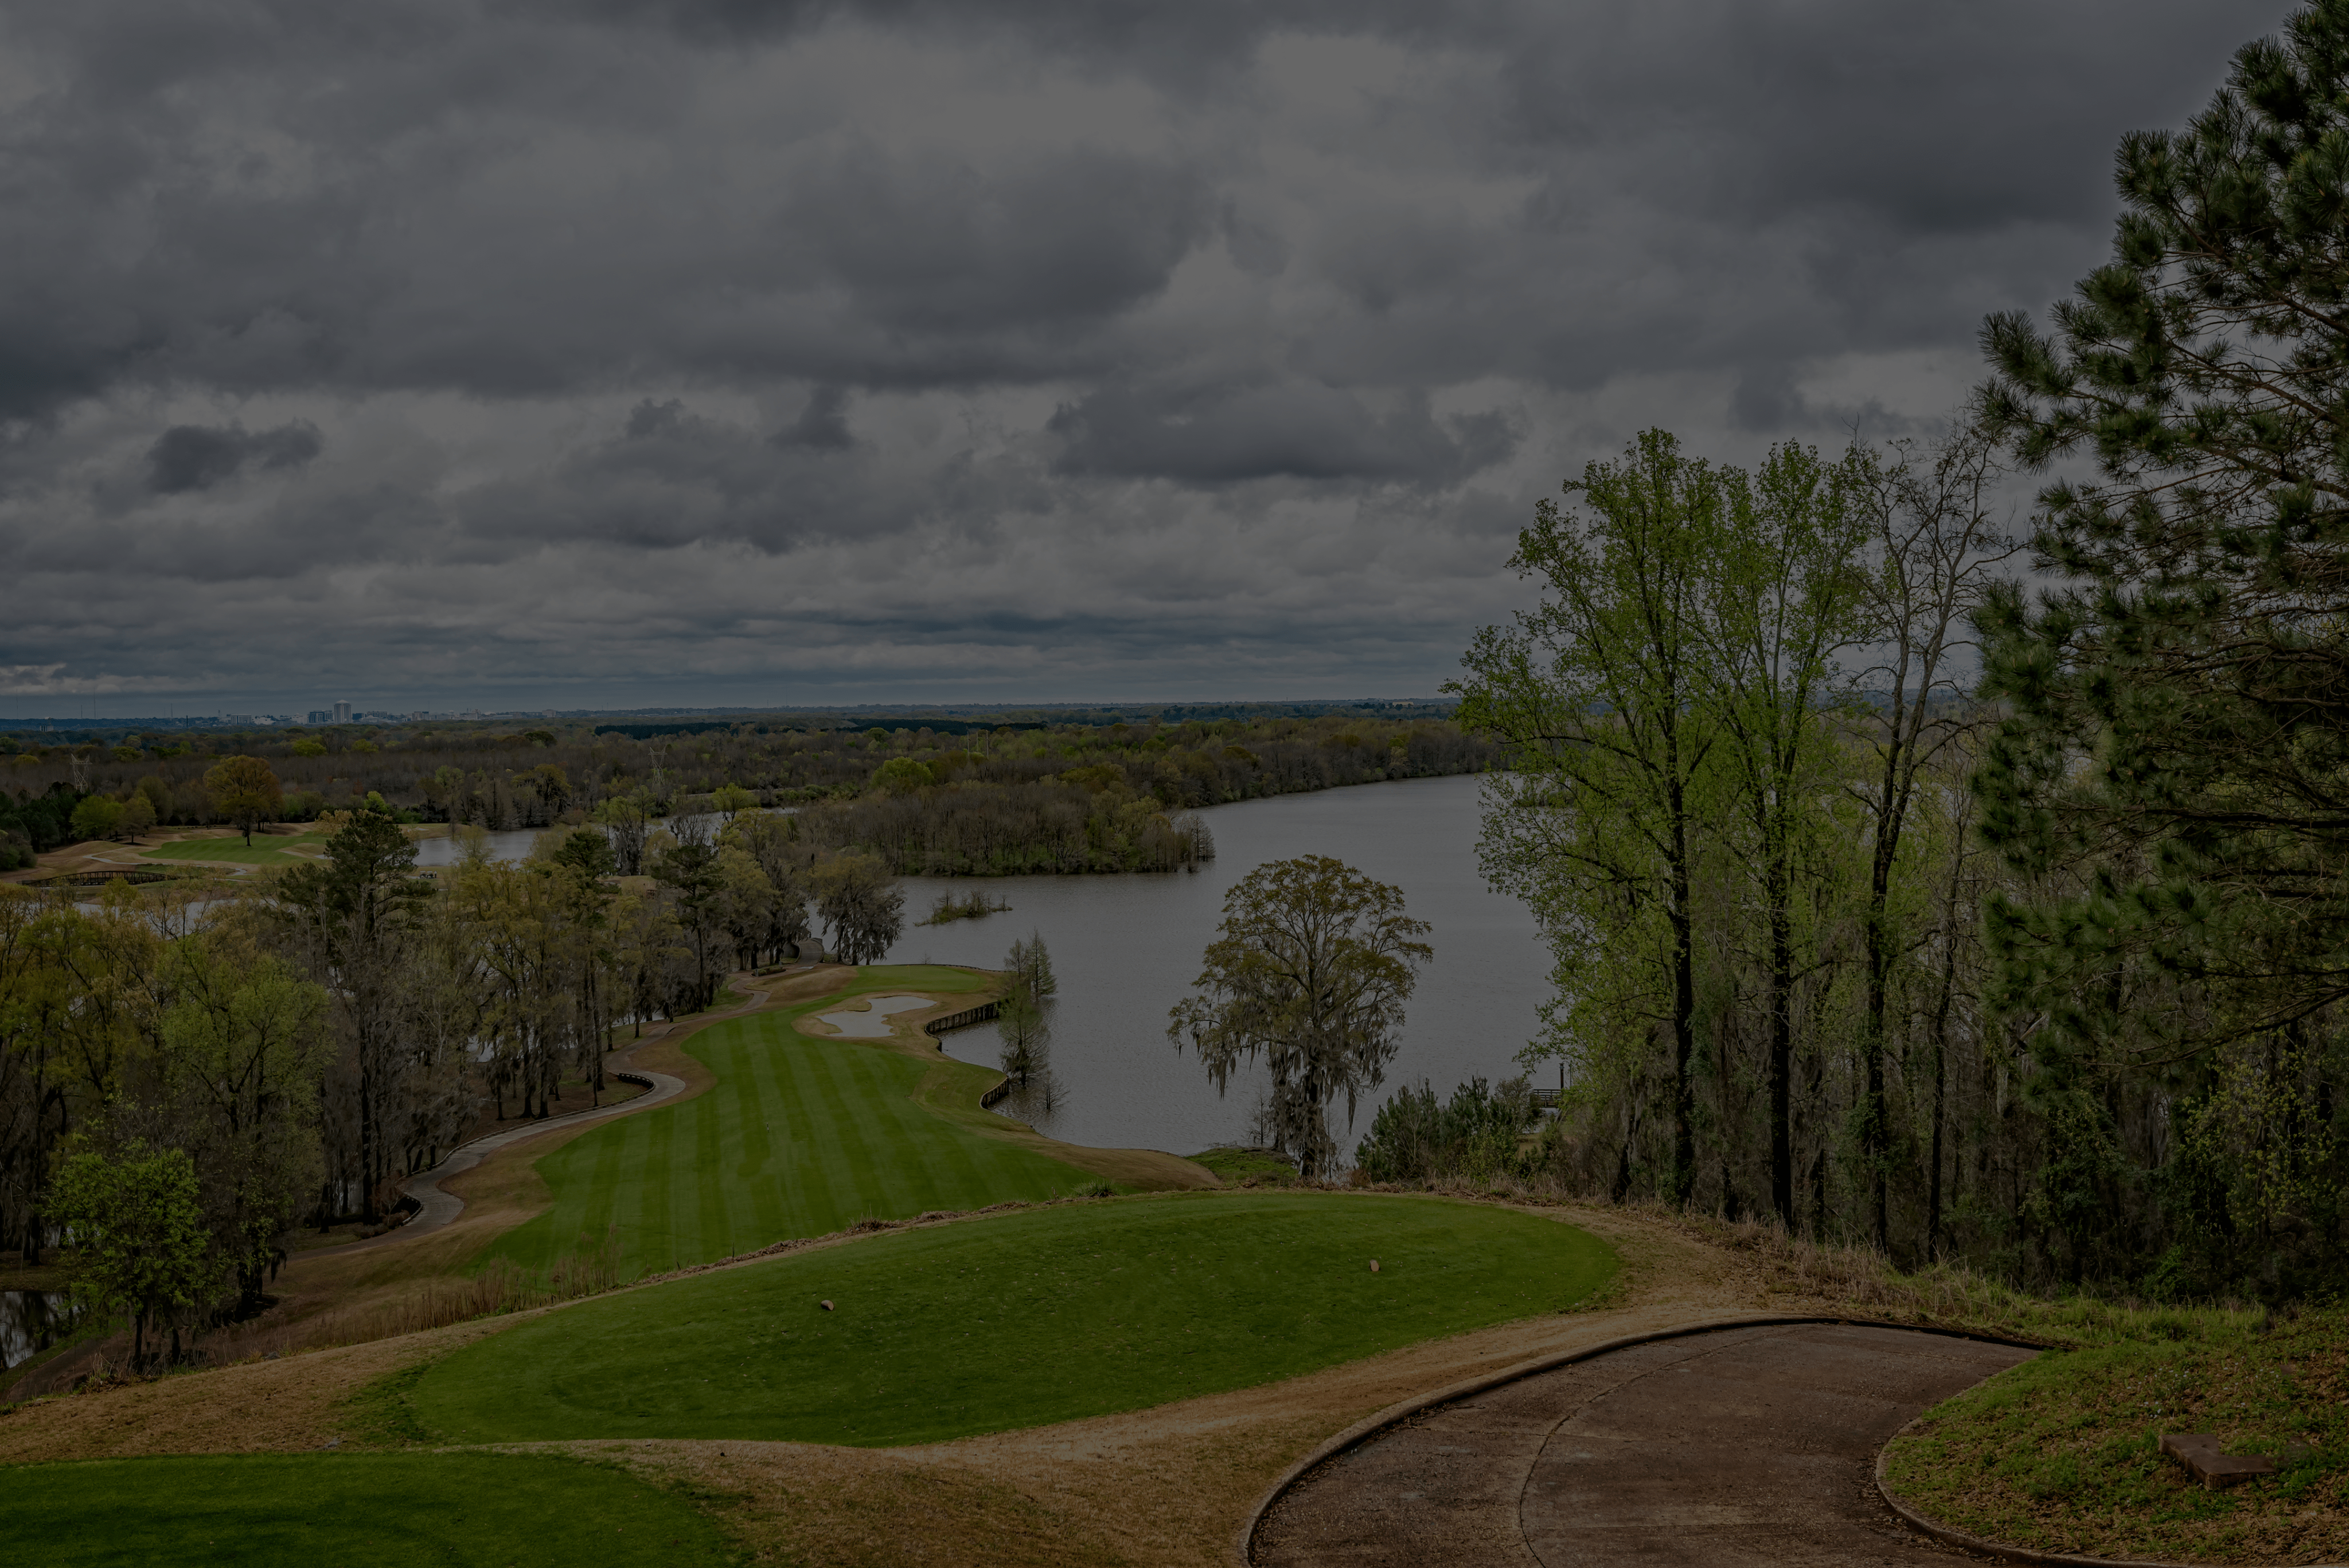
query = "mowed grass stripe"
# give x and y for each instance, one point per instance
(799, 1137)
(1013, 1320)
(386, 1511)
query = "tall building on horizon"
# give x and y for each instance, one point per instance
(342, 713)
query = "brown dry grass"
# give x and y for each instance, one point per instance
(1165, 1486)
(1161, 1487)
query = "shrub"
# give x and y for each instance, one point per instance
(1476, 1135)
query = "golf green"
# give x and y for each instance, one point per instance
(1017, 1320)
(266, 851)
(387, 1511)
(799, 1137)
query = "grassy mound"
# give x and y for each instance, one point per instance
(1032, 1318)
(384, 1509)
(799, 1137)
(2062, 1453)
(1235, 1166)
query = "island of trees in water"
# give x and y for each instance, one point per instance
(1050, 798)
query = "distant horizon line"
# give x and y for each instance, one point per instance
(383, 716)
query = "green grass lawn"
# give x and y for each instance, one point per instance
(2062, 1453)
(386, 1511)
(263, 851)
(1233, 1166)
(799, 1137)
(1030, 1318)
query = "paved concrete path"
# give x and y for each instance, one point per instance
(437, 1207)
(1740, 1447)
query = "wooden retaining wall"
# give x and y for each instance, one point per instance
(982, 1014)
(997, 1094)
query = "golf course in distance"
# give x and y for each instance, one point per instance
(1018, 1320)
(799, 1136)
(265, 850)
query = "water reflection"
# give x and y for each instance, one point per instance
(32, 1321)
(1126, 949)
(514, 844)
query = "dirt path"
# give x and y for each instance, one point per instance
(1746, 1446)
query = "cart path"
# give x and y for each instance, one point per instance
(1734, 1448)
(437, 1207)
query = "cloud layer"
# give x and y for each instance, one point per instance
(720, 351)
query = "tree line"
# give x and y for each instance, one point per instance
(1070, 797)
(285, 1050)
(2031, 960)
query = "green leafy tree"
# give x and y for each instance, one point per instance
(159, 796)
(860, 902)
(587, 852)
(1310, 971)
(1783, 594)
(629, 816)
(134, 1224)
(97, 817)
(1938, 552)
(899, 774)
(137, 817)
(771, 839)
(242, 1047)
(690, 867)
(353, 917)
(244, 792)
(729, 800)
(1599, 695)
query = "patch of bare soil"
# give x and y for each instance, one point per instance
(285, 1405)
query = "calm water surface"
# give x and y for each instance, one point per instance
(1126, 949)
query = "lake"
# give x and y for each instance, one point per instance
(1125, 949)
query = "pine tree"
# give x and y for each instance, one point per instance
(2172, 770)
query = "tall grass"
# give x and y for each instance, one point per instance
(500, 1288)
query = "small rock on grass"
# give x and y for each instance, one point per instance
(1374, 1265)
(826, 1305)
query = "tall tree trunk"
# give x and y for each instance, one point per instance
(1684, 1014)
(1782, 1049)
(1875, 1128)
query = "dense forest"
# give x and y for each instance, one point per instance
(1043, 797)
(1916, 905)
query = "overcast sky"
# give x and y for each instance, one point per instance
(431, 353)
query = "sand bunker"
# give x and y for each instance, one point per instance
(874, 1024)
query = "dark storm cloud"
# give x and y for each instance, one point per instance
(1295, 431)
(501, 339)
(197, 457)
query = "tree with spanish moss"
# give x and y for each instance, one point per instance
(1310, 972)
